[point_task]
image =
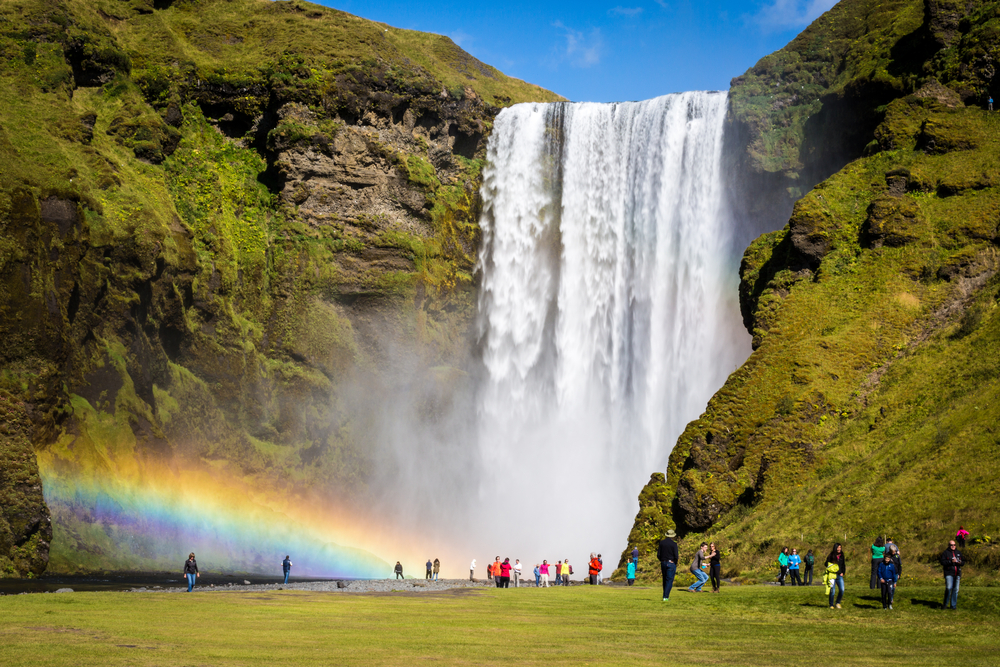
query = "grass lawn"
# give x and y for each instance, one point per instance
(758, 625)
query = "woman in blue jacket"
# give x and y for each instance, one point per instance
(887, 578)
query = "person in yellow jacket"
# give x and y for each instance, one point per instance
(830, 576)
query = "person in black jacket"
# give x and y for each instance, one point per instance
(398, 570)
(191, 570)
(837, 556)
(668, 556)
(951, 561)
(286, 567)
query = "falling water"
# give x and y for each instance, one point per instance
(608, 311)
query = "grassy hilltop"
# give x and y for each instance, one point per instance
(207, 207)
(871, 403)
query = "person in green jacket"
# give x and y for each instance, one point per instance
(878, 551)
(630, 571)
(783, 562)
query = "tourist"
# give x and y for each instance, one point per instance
(430, 569)
(544, 571)
(472, 570)
(600, 560)
(635, 554)
(960, 536)
(666, 553)
(496, 568)
(191, 570)
(437, 568)
(878, 551)
(286, 567)
(398, 570)
(538, 575)
(887, 578)
(836, 557)
(793, 567)
(990, 102)
(951, 560)
(697, 565)
(594, 569)
(783, 565)
(559, 573)
(517, 573)
(504, 574)
(630, 571)
(810, 561)
(567, 570)
(715, 567)
(892, 549)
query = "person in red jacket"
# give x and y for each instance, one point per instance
(504, 578)
(595, 569)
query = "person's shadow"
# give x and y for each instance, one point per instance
(926, 603)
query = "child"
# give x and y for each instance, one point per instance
(887, 578)
(630, 571)
(830, 579)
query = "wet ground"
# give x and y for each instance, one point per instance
(129, 581)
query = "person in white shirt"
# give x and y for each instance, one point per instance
(472, 570)
(517, 573)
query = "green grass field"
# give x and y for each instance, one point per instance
(758, 625)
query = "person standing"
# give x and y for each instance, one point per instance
(666, 553)
(630, 571)
(472, 570)
(951, 561)
(962, 534)
(496, 569)
(836, 557)
(504, 574)
(990, 102)
(715, 567)
(191, 570)
(437, 568)
(594, 569)
(567, 570)
(794, 561)
(430, 569)
(892, 550)
(887, 578)
(286, 567)
(600, 560)
(635, 555)
(559, 569)
(398, 570)
(538, 575)
(517, 573)
(809, 562)
(697, 569)
(783, 565)
(878, 551)
(544, 571)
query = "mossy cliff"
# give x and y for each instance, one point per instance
(214, 215)
(871, 402)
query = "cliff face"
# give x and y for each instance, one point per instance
(869, 405)
(215, 218)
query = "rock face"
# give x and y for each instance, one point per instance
(208, 264)
(864, 309)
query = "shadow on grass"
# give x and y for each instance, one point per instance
(926, 603)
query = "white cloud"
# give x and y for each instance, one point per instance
(784, 14)
(630, 12)
(663, 4)
(582, 49)
(461, 37)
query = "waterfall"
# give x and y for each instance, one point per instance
(608, 312)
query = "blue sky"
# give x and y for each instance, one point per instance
(607, 51)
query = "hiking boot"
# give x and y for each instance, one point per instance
(838, 605)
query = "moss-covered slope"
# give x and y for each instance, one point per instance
(213, 215)
(870, 403)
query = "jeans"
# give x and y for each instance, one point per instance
(838, 587)
(951, 591)
(191, 576)
(888, 593)
(793, 572)
(399, 575)
(287, 572)
(435, 576)
(538, 580)
(807, 576)
(702, 578)
(558, 578)
(668, 570)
